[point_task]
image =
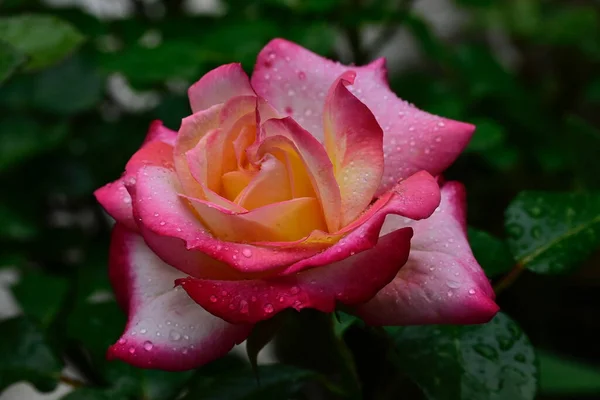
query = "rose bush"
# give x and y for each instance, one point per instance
(307, 185)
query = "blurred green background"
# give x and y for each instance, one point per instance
(80, 81)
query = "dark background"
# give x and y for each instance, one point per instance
(526, 72)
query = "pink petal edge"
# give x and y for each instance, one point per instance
(295, 81)
(441, 283)
(165, 329)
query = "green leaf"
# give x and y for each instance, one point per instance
(492, 253)
(161, 385)
(262, 333)
(342, 322)
(584, 146)
(553, 232)
(70, 87)
(488, 135)
(10, 59)
(44, 39)
(22, 137)
(91, 394)
(41, 296)
(492, 361)
(24, 355)
(561, 376)
(170, 59)
(277, 382)
(14, 223)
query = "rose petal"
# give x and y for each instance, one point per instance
(159, 210)
(165, 329)
(114, 196)
(283, 221)
(351, 281)
(415, 197)
(218, 86)
(441, 283)
(286, 135)
(270, 185)
(159, 132)
(295, 82)
(192, 130)
(354, 141)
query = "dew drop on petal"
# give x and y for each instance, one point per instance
(148, 345)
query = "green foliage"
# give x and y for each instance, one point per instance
(239, 382)
(41, 296)
(553, 232)
(25, 355)
(563, 375)
(43, 39)
(10, 59)
(490, 361)
(492, 253)
(22, 138)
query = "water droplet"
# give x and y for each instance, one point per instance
(184, 350)
(536, 232)
(143, 331)
(268, 308)
(174, 335)
(162, 223)
(127, 200)
(486, 351)
(453, 284)
(520, 357)
(231, 306)
(243, 306)
(122, 341)
(148, 345)
(156, 214)
(213, 299)
(291, 92)
(514, 231)
(223, 292)
(301, 75)
(471, 291)
(294, 290)
(131, 350)
(247, 253)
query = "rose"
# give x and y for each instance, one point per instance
(301, 187)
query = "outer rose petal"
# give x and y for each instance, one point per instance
(353, 280)
(354, 141)
(218, 86)
(167, 216)
(413, 139)
(166, 329)
(114, 196)
(159, 132)
(441, 283)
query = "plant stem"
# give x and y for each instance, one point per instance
(71, 381)
(509, 278)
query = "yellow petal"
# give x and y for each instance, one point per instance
(279, 222)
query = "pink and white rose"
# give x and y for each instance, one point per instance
(307, 185)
